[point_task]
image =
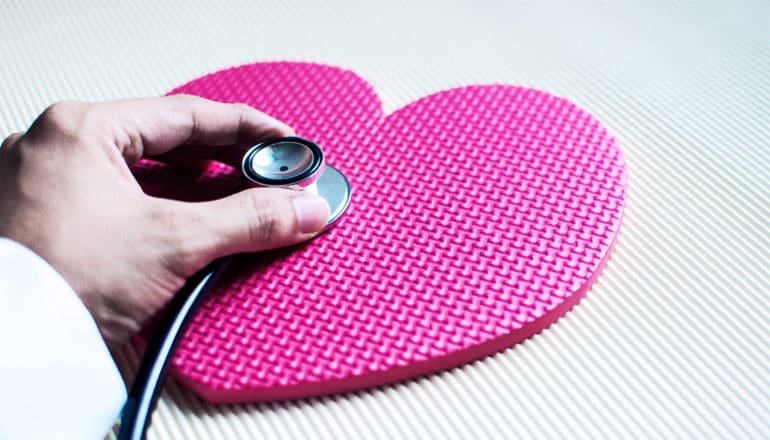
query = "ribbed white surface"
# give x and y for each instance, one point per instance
(672, 341)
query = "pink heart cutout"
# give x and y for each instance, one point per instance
(480, 215)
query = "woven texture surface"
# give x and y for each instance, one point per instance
(479, 216)
(671, 341)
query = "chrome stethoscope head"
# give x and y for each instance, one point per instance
(296, 163)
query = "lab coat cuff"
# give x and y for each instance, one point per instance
(58, 377)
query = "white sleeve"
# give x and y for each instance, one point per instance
(57, 378)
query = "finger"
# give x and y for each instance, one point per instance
(254, 220)
(200, 128)
(182, 159)
(199, 156)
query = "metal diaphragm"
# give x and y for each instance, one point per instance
(287, 162)
(299, 164)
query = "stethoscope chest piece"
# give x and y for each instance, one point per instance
(296, 163)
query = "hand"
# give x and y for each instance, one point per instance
(67, 193)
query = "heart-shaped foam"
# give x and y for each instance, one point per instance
(480, 215)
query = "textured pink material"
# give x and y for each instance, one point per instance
(480, 215)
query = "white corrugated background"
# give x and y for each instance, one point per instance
(673, 340)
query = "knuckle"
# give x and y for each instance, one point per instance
(62, 123)
(61, 117)
(185, 98)
(186, 104)
(19, 156)
(187, 258)
(125, 136)
(183, 257)
(243, 108)
(10, 142)
(262, 222)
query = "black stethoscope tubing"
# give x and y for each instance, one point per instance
(153, 369)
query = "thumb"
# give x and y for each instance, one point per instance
(257, 219)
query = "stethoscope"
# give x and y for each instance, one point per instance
(289, 162)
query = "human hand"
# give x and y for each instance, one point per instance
(67, 193)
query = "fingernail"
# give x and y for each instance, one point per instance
(312, 213)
